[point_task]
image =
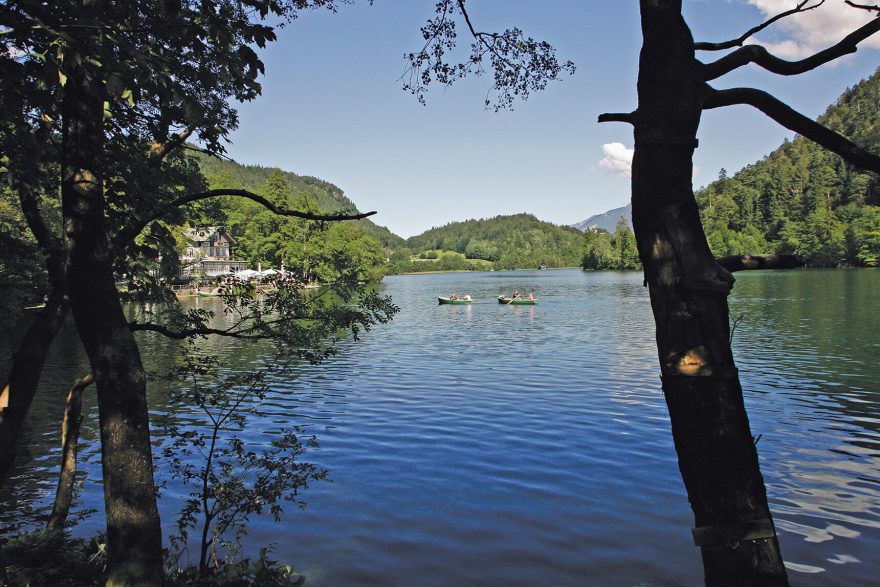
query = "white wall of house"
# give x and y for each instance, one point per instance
(208, 252)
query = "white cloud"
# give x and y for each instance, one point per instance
(813, 30)
(617, 159)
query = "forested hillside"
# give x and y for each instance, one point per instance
(802, 199)
(510, 242)
(269, 240)
(322, 194)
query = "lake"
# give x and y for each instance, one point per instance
(530, 445)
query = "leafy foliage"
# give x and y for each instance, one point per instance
(46, 557)
(262, 572)
(520, 64)
(507, 242)
(801, 199)
(230, 480)
(603, 250)
(23, 279)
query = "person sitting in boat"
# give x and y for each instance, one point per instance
(531, 297)
(516, 294)
(467, 297)
(453, 296)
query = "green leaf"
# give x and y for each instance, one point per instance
(128, 95)
(62, 79)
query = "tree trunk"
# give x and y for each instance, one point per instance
(134, 538)
(27, 365)
(69, 441)
(688, 289)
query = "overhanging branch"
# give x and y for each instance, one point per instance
(802, 7)
(260, 331)
(793, 120)
(189, 332)
(760, 56)
(753, 262)
(134, 228)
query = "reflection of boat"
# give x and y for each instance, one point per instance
(451, 301)
(517, 301)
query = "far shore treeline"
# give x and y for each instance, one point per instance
(800, 199)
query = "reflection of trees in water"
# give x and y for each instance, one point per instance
(807, 352)
(813, 334)
(27, 498)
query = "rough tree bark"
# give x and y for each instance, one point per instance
(688, 290)
(134, 537)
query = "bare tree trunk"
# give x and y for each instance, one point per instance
(69, 440)
(688, 289)
(134, 536)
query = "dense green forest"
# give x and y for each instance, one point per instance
(605, 250)
(323, 195)
(269, 240)
(22, 275)
(519, 241)
(802, 199)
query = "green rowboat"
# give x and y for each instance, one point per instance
(517, 301)
(458, 301)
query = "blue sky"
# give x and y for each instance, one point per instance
(333, 107)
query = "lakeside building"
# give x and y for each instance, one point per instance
(209, 253)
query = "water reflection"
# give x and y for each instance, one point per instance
(485, 444)
(807, 351)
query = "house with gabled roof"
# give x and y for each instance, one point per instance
(208, 252)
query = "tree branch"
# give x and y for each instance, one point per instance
(873, 8)
(628, 117)
(30, 208)
(69, 439)
(189, 332)
(159, 150)
(137, 224)
(751, 262)
(793, 120)
(252, 332)
(760, 56)
(742, 39)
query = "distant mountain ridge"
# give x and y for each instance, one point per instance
(606, 221)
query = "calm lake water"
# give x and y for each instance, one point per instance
(516, 445)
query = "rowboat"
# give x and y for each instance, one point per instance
(458, 301)
(517, 301)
